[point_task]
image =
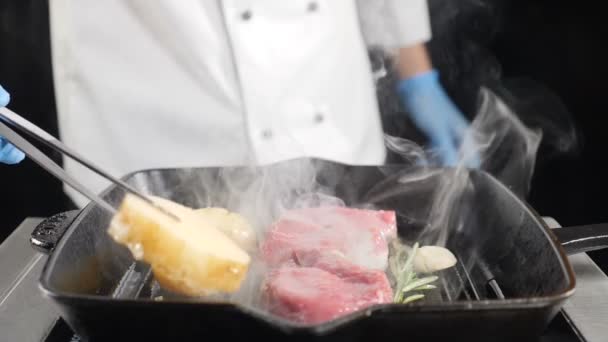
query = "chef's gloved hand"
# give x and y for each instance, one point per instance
(437, 116)
(8, 153)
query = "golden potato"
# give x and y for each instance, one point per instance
(191, 257)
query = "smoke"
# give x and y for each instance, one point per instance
(262, 195)
(465, 35)
(506, 148)
(516, 121)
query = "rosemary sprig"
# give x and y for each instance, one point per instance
(412, 298)
(406, 278)
(419, 284)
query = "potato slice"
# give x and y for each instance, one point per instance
(171, 206)
(231, 224)
(190, 257)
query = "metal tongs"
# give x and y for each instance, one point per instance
(44, 161)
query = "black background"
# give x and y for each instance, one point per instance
(557, 43)
(25, 71)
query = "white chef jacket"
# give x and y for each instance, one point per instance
(146, 84)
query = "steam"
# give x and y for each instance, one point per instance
(432, 201)
(516, 122)
(261, 195)
(505, 146)
(464, 33)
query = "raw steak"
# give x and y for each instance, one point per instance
(360, 235)
(314, 294)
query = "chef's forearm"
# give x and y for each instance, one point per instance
(413, 60)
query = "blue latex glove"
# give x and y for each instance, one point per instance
(8, 153)
(435, 115)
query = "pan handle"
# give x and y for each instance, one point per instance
(49, 232)
(581, 239)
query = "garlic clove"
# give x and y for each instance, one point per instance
(431, 259)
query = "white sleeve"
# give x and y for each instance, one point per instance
(393, 24)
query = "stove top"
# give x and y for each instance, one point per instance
(27, 316)
(562, 330)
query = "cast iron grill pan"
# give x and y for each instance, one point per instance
(511, 279)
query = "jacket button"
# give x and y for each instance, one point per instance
(319, 117)
(267, 134)
(246, 15)
(313, 6)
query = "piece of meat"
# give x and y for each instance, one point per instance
(313, 295)
(334, 264)
(360, 235)
(324, 291)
